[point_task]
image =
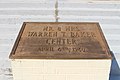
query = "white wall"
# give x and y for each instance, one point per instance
(14, 12)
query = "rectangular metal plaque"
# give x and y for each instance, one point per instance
(60, 41)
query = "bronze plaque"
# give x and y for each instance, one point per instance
(60, 40)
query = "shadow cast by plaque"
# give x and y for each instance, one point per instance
(115, 69)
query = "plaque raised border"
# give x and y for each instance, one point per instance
(103, 53)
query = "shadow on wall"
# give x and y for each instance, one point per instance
(115, 69)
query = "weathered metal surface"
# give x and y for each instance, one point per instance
(62, 40)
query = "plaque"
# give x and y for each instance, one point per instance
(60, 40)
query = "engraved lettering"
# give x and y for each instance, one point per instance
(42, 34)
(32, 34)
(59, 28)
(59, 41)
(72, 28)
(82, 34)
(48, 28)
(63, 34)
(46, 48)
(68, 39)
(79, 49)
(73, 49)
